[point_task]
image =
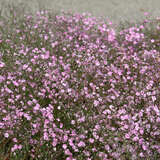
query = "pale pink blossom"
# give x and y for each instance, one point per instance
(6, 135)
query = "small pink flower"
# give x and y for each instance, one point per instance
(127, 136)
(64, 146)
(50, 116)
(65, 138)
(73, 122)
(144, 147)
(8, 90)
(141, 131)
(45, 136)
(29, 69)
(15, 140)
(153, 98)
(2, 64)
(67, 152)
(54, 143)
(146, 13)
(37, 107)
(54, 44)
(107, 147)
(61, 125)
(137, 94)
(81, 144)
(15, 147)
(45, 37)
(91, 140)
(158, 120)
(6, 135)
(113, 97)
(20, 146)
(126, 126)
(135, 139)
(97, 63)
(27, 116)
(141, 154)
(70, 158)
(109, 73)
(1, 78)
(96, 103)
(29, 102)
(25, 66)
(97, 127)
(124, 117)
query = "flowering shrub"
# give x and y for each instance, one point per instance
(71, 88)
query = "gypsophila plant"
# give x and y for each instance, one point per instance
(73, 88)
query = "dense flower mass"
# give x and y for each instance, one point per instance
(73, 88)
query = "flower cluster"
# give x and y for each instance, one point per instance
(72, 88)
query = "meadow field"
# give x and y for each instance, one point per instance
(73, 87)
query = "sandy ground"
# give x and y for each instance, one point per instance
(114, 10)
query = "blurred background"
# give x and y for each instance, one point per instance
(115, 10)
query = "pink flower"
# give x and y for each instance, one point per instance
(45, 37)
(20, 146)
(124, 117)
(158, 120)
(97, 63)
(153, 98)
(91, 140)
(54, 44)
(96, 103)
(65, 138)
(45, 136)
(67, 152)
(64, 146)
(70, 158)
(27, 116)
(15, 147)
(50, 116)
(146, 13)
(15, 140)
(2, 64)
(141, 154)
(109, 73)
(135, 139)
(8, 90)
(6, 135)
(127, 136)
(82, 119)
(73, 122)
(81, 144)
(107, 147)
(144, 147)
(54, 143)
(53, 135)
(113, 97)
(141, 131)
(97, 127)
(25, 66)
(37, 107)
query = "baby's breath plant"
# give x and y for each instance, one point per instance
(73, 88)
